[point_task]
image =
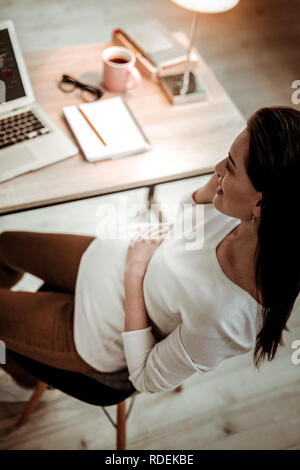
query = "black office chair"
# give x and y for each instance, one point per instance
(80, 386)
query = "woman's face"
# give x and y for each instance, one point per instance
(235, 195)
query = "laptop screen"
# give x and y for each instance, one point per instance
(11, 86)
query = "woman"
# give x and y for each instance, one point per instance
(167, 310)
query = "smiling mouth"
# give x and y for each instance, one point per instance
(219, 190)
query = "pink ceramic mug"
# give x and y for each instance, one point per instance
(119, 73)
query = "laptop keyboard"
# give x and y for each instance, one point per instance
(19, 128)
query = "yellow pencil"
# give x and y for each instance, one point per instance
(89, 122)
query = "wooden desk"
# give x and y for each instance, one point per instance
(187, 140)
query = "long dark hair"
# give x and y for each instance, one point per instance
(273, 166)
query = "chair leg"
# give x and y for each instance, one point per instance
(41, 387)
(121, 425)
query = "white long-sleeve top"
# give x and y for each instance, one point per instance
(198, 316)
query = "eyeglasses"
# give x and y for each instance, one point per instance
(88, 92)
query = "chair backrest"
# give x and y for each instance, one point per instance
(77, 385)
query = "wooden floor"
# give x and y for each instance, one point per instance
(254, 51)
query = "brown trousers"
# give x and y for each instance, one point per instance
(39, 325)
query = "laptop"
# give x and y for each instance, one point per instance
(29, 139)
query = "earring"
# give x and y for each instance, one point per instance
(252, 223)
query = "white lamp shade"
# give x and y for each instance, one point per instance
(207, 6)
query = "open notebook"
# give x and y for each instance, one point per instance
(114, 122)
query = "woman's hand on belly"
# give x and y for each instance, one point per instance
(141, 250)
(139, 254)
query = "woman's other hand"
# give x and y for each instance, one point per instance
(206, 193)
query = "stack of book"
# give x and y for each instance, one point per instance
(158, 53)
